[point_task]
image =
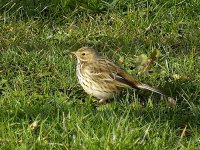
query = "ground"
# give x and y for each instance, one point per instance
(43, 106)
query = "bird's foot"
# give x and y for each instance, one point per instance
(100, 102)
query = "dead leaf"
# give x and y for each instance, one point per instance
(121, 60)
(154, 55)
(172, 102)
(34, 126)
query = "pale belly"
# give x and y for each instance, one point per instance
(95, 89)
(97, 92)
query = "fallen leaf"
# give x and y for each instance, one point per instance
(34, 125)
(172, 102)
(121, 60)
(146, 62)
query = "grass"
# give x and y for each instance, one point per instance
(43, 107)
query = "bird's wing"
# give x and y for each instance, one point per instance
(105, 70)
(137, 84)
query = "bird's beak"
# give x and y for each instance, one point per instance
(74, 53)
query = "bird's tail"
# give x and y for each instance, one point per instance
(147, 87)
(142, 86)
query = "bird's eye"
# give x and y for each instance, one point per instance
(83, 54)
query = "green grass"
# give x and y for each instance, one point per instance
(38, 83)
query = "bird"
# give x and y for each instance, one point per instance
(103, 79)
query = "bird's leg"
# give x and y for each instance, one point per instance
(100, 102)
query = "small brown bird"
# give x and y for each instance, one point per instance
(103, 79)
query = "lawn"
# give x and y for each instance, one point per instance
(42, 106)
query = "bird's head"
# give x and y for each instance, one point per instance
(85, 54)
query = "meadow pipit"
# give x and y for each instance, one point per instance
(103, 79)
